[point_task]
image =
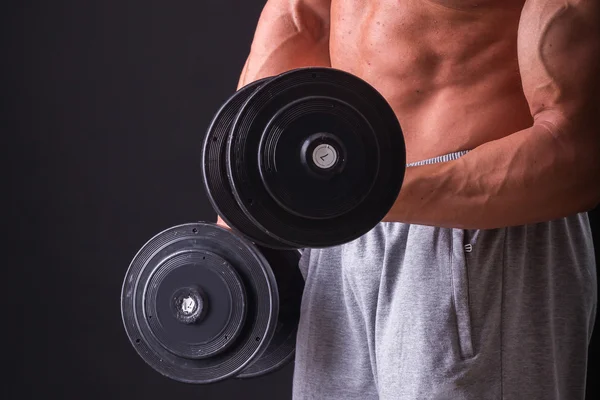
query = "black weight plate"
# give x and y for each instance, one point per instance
(290, 284)
(214, 170)
(238, 291)
(194, 301)
(282, 190)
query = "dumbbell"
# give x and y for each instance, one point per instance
(201, 304)
(311, 158)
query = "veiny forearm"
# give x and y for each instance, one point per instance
(545, 172)
(538, 174)
(290, 34)
(297, 51)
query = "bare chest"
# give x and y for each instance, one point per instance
(448, 67)
(466, 5)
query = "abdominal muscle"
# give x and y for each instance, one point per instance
(449, 69)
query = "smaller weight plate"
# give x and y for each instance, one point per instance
(199, 303)
(195, 303)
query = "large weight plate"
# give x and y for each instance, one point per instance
(199, 303)
(316, 158)
(290, 284)
(214, 170)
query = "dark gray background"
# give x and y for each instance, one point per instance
(104, 106)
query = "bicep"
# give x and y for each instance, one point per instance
(559, 58)
(290, 34)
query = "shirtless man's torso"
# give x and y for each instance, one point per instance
(406, 312)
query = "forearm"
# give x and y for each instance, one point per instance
(289, 35)
(538, 174)
(298, 51)
(548, 171)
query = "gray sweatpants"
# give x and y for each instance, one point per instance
(415, 312)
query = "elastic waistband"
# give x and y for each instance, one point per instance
(439, 159)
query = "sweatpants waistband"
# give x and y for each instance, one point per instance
(446, 157)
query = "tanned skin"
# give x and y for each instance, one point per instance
(516, 82)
